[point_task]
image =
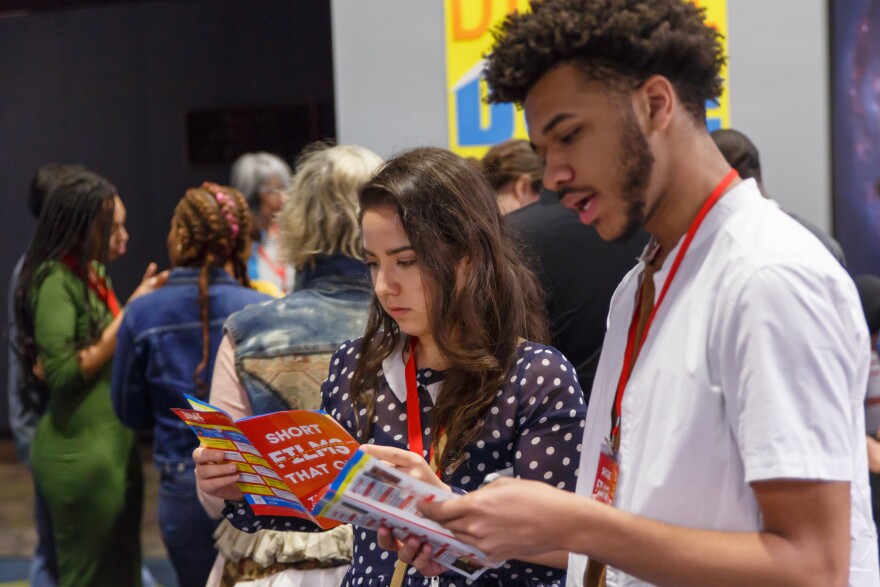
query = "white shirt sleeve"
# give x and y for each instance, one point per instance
(790, 372)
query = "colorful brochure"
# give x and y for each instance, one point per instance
(303, 464)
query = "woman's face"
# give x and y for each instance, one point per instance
(394, 268)
(272, 196)
(98, 240)
(118, 233)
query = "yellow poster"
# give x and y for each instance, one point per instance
(474, 126)
(718, 114)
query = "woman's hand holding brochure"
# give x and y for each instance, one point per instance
(215, 476)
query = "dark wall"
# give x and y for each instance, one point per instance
(109, 87)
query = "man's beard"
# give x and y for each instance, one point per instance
(637, 163)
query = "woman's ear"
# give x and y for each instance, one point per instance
(524, 192)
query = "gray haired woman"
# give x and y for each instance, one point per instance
(264, 178)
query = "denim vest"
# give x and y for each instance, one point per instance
(283, 347)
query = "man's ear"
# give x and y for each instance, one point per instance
(657, 99)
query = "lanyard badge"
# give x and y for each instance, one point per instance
(606, 475)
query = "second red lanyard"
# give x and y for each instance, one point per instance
(628, 358)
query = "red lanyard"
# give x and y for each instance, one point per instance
(628, 359)
(97, 285)
(278, 269)
(413, 411)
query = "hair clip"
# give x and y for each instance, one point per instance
(226, 205)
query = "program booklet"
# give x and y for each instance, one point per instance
(304, 464)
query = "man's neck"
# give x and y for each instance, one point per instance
(694, 172)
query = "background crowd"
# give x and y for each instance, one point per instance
(91, 369)
(310, 286)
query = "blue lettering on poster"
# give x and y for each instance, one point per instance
(470, 132)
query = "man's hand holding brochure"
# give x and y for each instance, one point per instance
(304, 464)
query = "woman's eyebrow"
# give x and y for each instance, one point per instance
(393, 251)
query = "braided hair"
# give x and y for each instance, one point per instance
(213, 226)
(74, 225)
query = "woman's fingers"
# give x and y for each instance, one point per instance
(214, 475)
(406, 461)
(202, 455)
(386, 540)
(393, 456)
(152, 268)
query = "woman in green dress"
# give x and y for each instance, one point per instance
(85, 461)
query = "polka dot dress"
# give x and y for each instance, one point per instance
(533, 430)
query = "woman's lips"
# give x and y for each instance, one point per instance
(398, 312)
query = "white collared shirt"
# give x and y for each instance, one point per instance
(394, 369)
(755, 368)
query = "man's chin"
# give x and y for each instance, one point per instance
(617, 234)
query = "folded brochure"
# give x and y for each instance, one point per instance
(304, 464)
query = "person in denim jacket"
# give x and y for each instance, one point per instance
(275, 356)
(166, 347)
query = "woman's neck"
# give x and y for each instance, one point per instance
(428, 356)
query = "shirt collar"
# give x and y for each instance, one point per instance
(732, 201)
(394, 370)
(189, 275)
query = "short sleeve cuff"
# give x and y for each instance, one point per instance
(800, 467)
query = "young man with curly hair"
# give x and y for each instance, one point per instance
(723, 444)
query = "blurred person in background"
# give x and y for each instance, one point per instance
(263, 178)
(166, 348)
(85, 463)
(27, 403)
(118, 232)
(515, 173)
(742, 154)
(274, 356)
(578, 287)
(869, 294)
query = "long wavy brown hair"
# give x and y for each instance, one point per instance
(451, 217)
(213, 225)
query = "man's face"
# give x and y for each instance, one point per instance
(118, 234)
(596, 154)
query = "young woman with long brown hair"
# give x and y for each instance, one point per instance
(453, 301)
(166, 347)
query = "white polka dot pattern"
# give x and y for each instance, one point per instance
(532, 425)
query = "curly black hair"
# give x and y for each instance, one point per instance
(620, 43)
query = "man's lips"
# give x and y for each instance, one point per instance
(577, 200)
(582, 203)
